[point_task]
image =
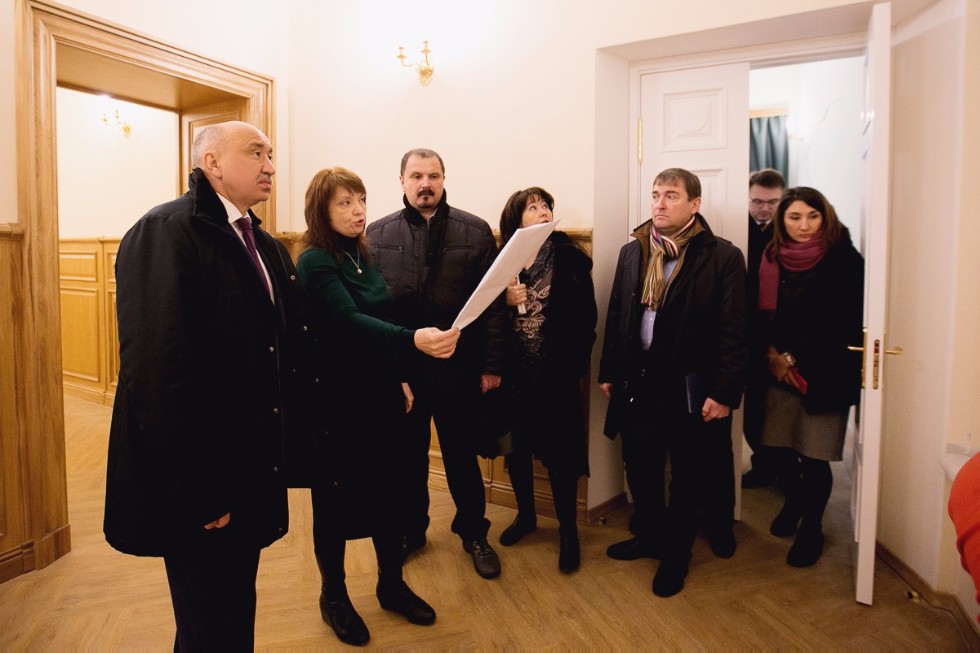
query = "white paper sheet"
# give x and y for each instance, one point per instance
(521, 247)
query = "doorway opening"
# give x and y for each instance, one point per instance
(63, 48)
(822, 103)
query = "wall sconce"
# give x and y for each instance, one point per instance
(424, 67)
(118, 121)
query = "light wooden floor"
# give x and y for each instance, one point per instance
(97, 599)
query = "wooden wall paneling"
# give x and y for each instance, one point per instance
(83, 339)
(15, 554)
(110, 246)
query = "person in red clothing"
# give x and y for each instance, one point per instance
(964, 510)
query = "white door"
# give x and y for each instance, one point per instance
(698, 119)
(867, 443)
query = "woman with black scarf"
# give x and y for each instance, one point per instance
(553, 316)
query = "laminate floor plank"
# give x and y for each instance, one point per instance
(95, 598)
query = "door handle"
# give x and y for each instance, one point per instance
(864, 344)
(876, 359)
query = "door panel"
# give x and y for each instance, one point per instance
(867, 443)
(195, 118)
(697, 119)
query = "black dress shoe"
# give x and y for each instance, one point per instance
(518, 529)
(484, 557)
(569, 554)
(670, 577)
(398, 597)
(407, 545)
(633, 549)
(343, 618)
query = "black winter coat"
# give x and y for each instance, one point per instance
(550, 414)
(208, 371)
(818, 314)
(431, 268)
(700, 328)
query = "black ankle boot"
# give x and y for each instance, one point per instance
(569, 553)
(343, 618)
(807, 548)
(398, 597)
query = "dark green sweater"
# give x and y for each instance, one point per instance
(351, 308)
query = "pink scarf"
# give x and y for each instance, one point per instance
(795, 257)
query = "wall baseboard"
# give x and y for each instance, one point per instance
(597, 514)
(938, 600)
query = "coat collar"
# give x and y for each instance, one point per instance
(207, 204)
(412, 215)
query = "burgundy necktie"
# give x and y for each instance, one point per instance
(245, 224)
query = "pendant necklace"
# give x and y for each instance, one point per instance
(357, 263)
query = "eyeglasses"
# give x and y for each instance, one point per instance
(760, 203)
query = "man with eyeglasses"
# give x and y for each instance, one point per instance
(765, 188)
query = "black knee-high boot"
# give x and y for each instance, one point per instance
(815, 484)
(336, 608)
(787, 521)
(564, 491)
(817, 481)
(520, 466)
(392, 591)
(330, 560)
(386, 547)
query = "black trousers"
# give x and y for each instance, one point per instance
(450, 406)
(702, 483)
(702, 487)
(213, 592)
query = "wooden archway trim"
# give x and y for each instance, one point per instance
(43, 29)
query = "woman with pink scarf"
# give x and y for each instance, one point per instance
(811, 302)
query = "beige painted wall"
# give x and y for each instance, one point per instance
(106, 179)
(923, 276)
(521, 96)
(511, 104)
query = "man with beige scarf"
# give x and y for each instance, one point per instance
(673, 367)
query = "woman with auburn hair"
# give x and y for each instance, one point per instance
(363, 401)
(811, 303)
(553, 314)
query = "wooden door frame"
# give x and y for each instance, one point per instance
(41, 29)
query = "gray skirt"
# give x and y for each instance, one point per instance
(787, 424)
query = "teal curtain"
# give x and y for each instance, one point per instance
(769, 147)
